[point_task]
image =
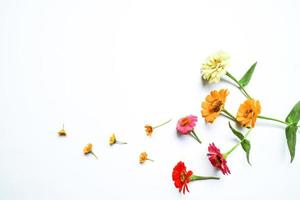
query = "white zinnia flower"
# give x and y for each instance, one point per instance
(215, 66)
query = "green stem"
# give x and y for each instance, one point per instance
(195, 178)
(235, 146)
(246, 94)
(162, 124)
(119, 142)
(228, 117)
(195, 136)
(150, 159)
(272, 119)
(94, 155)
(229, 114)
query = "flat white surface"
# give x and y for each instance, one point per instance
(112, 66)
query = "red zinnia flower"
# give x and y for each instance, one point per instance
(181, 177)
(217, 159)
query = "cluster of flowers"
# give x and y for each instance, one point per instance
(249, 111)
(213, 106)
(88, 149)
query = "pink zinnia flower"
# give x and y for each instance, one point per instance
(217, 159)
(186, 124)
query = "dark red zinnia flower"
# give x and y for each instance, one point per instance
(217, 159)
(181, 177)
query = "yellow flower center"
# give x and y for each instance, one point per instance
(216, 61)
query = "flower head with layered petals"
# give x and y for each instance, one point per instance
(217, 159)
(112, 139)
(88, 148)
(213, 104)
(186, 124)
(148, 130)
(143, 157)
(215, 66)
(248, 112)
(181, 177)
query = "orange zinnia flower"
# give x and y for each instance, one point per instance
(248, 112)
(88, 149)
(148, 129)
(213, 105)
(144, 157)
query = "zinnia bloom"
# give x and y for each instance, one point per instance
(217, 159)
(89, 149)
(62, 132)
(149, 129)
(143, 157)
(113, 140)
(215, 66)
(186, 124)
(181, 177)
(248, 112)
(213, 104)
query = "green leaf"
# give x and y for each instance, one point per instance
(294, 115)
(247, 76)
(291, 136)
(291, 130)
(236, 133)
(247, 146)
(244, 142)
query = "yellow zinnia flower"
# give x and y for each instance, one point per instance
(89, 149)
(62, 132)
(143, 157)
(112, 139)
(215, 66)
(248, 112)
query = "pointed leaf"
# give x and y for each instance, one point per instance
(247, 76)
(244, 142)
(247, 146)
(294, 115)
(291, 136)
(236, 133)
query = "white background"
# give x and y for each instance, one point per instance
(112, 66)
